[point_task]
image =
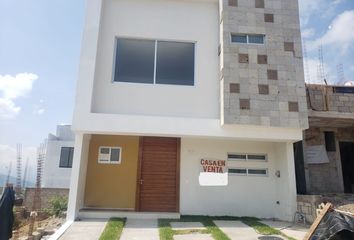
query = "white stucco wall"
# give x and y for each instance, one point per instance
(244, 195)
(196, 21)
(53, 175)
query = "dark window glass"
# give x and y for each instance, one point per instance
(115, 153)
(175, 63)
(238, 170)
(257, 171)
(135, 61)
(66, 157)
(105, 150)
(237, 156)
(330, 141)
(259, 39)
(257, 157)
(239, 38)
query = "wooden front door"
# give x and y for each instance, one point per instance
(158, 178)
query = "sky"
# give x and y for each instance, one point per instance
(40, 44)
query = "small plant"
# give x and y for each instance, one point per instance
(58, 205)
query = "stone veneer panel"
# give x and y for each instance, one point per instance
(268, 17)
(233, 3)
(251, 65)
(259, 3)
(234, 88)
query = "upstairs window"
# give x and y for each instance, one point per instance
(66, 157)
(154, 62)
(248, 38)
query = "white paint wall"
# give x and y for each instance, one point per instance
(53, 175)
(245, 195)
(195, 21)
(78, 178)
(102, 107)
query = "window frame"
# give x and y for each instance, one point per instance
(71, 154)
(258, 175)
(247, 37)
(247, 174)
(247, 159)
(116, 38)
(99, 158)
(237, 174)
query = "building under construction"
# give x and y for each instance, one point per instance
(324, 160)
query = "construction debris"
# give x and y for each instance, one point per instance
(331, 224)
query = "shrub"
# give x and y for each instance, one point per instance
(58, 205)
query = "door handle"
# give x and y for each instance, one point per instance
(141, 181)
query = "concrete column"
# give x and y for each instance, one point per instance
(78, 175)
(286, 183)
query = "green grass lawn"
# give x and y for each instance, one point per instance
(166, 231)
(113, 229)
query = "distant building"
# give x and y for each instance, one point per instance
(59, 158)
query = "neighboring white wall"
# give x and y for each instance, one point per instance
(195, 21)
(53, 175)
(78, 178)
(245, 195)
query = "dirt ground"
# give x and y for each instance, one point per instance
(50, 225)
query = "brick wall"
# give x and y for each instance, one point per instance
(307, 205)
(325, 177)
(46, 195)
(325, 98)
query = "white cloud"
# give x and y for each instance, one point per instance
(8, 109)
(336, 2)
(39, 111)
(340, 34)
(308, 32)
(17, 86)
(323, 9)
(11, 88)
(308, 8)
(39, 108)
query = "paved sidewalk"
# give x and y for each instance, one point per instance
(289, 229)
(137, 229)
(193, 237)
(187, 226)
(86, 229)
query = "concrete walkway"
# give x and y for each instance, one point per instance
(140, 229)
(193, 237)
(86, 229)
(294, 231)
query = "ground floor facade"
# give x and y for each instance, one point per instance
(184, 175)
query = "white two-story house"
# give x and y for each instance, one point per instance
(188, 107)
